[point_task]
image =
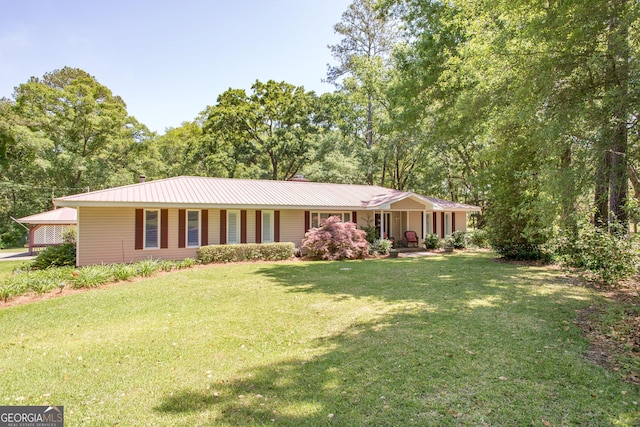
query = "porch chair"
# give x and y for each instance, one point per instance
(411, 237)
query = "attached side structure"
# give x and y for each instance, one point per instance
(46, 228)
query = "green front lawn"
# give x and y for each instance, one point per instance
(442, 340)
(7, 267)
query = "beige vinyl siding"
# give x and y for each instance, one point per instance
(407, 204)
(108, 236)
(397, 219)
(461, 221)
(415, 224)
(291, 226)
(365, 219)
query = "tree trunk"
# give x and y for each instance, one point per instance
(618, 52)
(568, 192)
(635, 180)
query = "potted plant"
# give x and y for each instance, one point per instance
(447, 244)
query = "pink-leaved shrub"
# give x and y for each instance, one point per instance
(335, 240)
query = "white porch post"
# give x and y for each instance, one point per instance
(382, 224)
(407, 226)
(424, 225)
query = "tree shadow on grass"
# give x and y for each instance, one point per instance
(484, 349)
(443, 281)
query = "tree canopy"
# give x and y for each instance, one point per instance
(528, 109)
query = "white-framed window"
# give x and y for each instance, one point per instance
(318, 217)
(267, 226)
(428, 227)
(152, 228)
(193, 228)
(447, 223)
(233, 227)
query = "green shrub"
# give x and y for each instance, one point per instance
(147, 267)
(608, 256)
(246, 252)
(523, 252)
(459, 239)
(91, 276)
(431, 241)
(380, 247)
(335, 240)
(39, 281)
(372, 233)
(479, 238)
(185, 263)
(69, 235)
(10, 289)
(13, 237)
(55, 256)
(123, 272)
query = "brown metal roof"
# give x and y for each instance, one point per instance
(189, 191)
(56, 216)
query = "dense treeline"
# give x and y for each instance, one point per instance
(528, 109)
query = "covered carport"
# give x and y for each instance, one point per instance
(46, 228)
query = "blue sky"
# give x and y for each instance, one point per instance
(168, 60)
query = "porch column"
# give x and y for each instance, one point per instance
(407, 227)
(32, 230)
(424, 225)
(382, 224)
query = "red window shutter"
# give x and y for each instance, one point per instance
(453, 222)
(442, 226)
(139, 229)
(182, 220)
(204, 227)
(354, 217)
(223, 227)
(422, 223)
(164, 228)
(276, 226)
(243, 226)
(258, 226)
(307, 221)
(434, 226)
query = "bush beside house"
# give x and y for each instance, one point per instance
(246, 252)
(336, 240)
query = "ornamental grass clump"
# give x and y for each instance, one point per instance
(335, 240)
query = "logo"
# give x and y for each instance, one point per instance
(31, 416)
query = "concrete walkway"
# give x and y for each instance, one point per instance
(15, 256)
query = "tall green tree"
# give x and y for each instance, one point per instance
(271, 128)
(363, 57)
(61, 134)
(90, 135)
(545, 90)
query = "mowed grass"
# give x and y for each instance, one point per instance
(435, 341)
(7, 267)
